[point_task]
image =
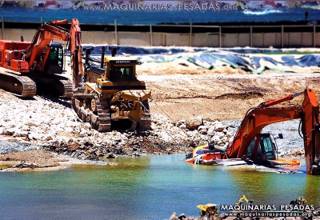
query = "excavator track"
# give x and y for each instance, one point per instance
(22, 86)
(99, 117)
(65, 88)
(53, 85)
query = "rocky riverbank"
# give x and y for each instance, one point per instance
(52, 125)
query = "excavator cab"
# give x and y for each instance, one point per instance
(54, 63)
(262, 149)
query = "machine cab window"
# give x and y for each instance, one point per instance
(55, 59)
(121, 73)
(266, 149)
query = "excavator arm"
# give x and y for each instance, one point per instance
(41, 42)
(255, 120)
(76, 52)
(311, 131)
(265, 114)
(75, 48)
(54, 31)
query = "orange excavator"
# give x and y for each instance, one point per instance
(28, 68)
(250, 144)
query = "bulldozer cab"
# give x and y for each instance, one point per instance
(262, 148)
(120, 69)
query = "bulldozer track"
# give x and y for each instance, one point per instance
(100, 119)
(22, 86)
(104, 117)
(145, 121)
(100, 116)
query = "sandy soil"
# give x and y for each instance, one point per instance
(223, 97)
(33, 160)
(42, 160)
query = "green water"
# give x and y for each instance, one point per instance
(146, 188)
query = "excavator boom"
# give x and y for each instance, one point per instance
(41, 41)
(254, 121)
(75, 48)
(76, 52)
(265, 114)
(311, 131)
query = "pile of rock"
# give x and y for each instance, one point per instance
(215, 132)
(54, 125)
(165, 137)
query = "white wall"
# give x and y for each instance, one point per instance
(293, 39)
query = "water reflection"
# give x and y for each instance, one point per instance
(277, 188)
(147, 188)
(312, 189)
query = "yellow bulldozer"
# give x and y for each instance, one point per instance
(111, 93)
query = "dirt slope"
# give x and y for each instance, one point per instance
(224, 97)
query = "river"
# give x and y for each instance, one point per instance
(145, 188)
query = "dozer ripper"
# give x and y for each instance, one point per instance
(250, 144)
(28, 68)
(111, 93)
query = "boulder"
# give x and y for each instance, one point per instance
(218, 138)
(110, 156)
(34, 136)
(20, 133)
(181, 122)
(203, 129)
(8, 132)
(211, 131)
(218, 126)
(183, 126)
(194, 123)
